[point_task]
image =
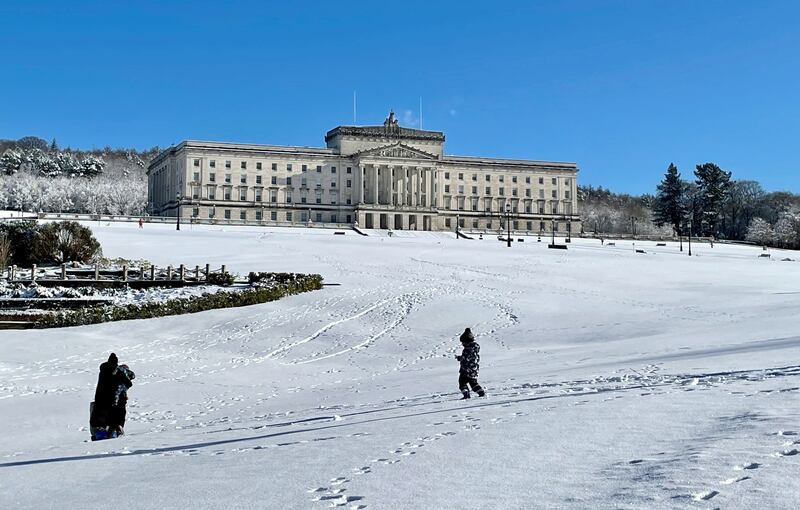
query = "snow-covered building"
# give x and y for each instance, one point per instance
(387, 177)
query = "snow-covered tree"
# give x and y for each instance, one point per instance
(760, 231)
(10, 162)
(713, 185)
(92, 166)
(784, 232)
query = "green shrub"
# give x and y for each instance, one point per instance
(64, 241)
(21, 234)
(225, 279)
(222, 299)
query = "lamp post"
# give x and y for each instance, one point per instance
(178, 209)
(691, 220)
(553, 231)
(508, 224)
(457, 224)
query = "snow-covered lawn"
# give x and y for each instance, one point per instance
(615, 380)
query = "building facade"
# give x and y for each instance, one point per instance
(385, 177)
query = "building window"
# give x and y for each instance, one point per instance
(288, 167)
(347, 218)
(195, 192)
(259, 216)
(447, 175)
(319, 217)
(555, 226)
(528, 192)
(475, 177)
(288, 216)
(333, 218)
(488, 190)
(541, 193)
(502, 178)
(242, 215)
(447, 188)
(474, 190)
(554, 181)
(274, 167)
(333, 184)
(514, 179)
(196, 177)
(258, 165)
(488, 178)
(514, 192)
(212, 164)
(302, 199)
(288, 198)
(333, 171)
(274, 180)
(273, 215)
(212, 177)
(447, 222)
(319, 169)
(349, 183)
(502, 191)
(318, 199)
(566, 194)
(212, 195)
(553, 194)
(348, 202)
(258, 179)
(461, 189)
(210, 213)
(227, 214)
(273, 196)
(244, 165)
(243, 194)
(243, 179)
(196, 162)
(528, 180)
(460, 176)
(288, 181)
(227, 164)
(258, 195)
(304, 168)
(567, 183)
(227, 193)
(228, 178)
(541, 180)
(541, 226)
(349, 170)
(529, 225)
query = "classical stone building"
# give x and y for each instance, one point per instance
(386, 177)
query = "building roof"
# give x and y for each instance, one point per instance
(384, 132)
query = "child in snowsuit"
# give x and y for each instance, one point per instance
(119, 410)
(470, 360)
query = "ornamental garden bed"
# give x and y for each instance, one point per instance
(30, 304)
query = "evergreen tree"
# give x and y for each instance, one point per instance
(53, 146)
(713, 185)
(668, 206)
(10, 162)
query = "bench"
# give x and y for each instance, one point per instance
(557, 246)
(611, 244)
(661, 244)
(640, 251)
(520, 240)
(764, 255)
(338, 233)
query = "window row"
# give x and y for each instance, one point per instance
(514, 178)
(243, 179)
(514, 191)
(259, 166)
(213, 213)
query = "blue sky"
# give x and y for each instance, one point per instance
(620, 87)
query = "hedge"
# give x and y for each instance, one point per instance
(179, 306)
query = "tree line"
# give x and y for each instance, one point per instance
(38, 176)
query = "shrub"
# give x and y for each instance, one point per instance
(5, 250)
(222, 299)
(20, 234)
(225, 279)
(65, 241)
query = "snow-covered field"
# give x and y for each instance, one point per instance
(615, 380)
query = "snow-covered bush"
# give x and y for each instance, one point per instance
(759, 231)
(65, 241)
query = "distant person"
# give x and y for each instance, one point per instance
(104, 414)
(470, 360)
(141, 222)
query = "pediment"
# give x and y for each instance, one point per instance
(396, 150)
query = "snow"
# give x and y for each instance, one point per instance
(616, 379)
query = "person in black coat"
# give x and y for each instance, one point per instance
(470, 359)
(104, 415)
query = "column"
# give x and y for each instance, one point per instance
(392, 200)
(375, 185)
(360, 184)
(404, 199)
(420, 181)
(414, 186)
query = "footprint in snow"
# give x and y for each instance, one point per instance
(734, 480)
(705, 495)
